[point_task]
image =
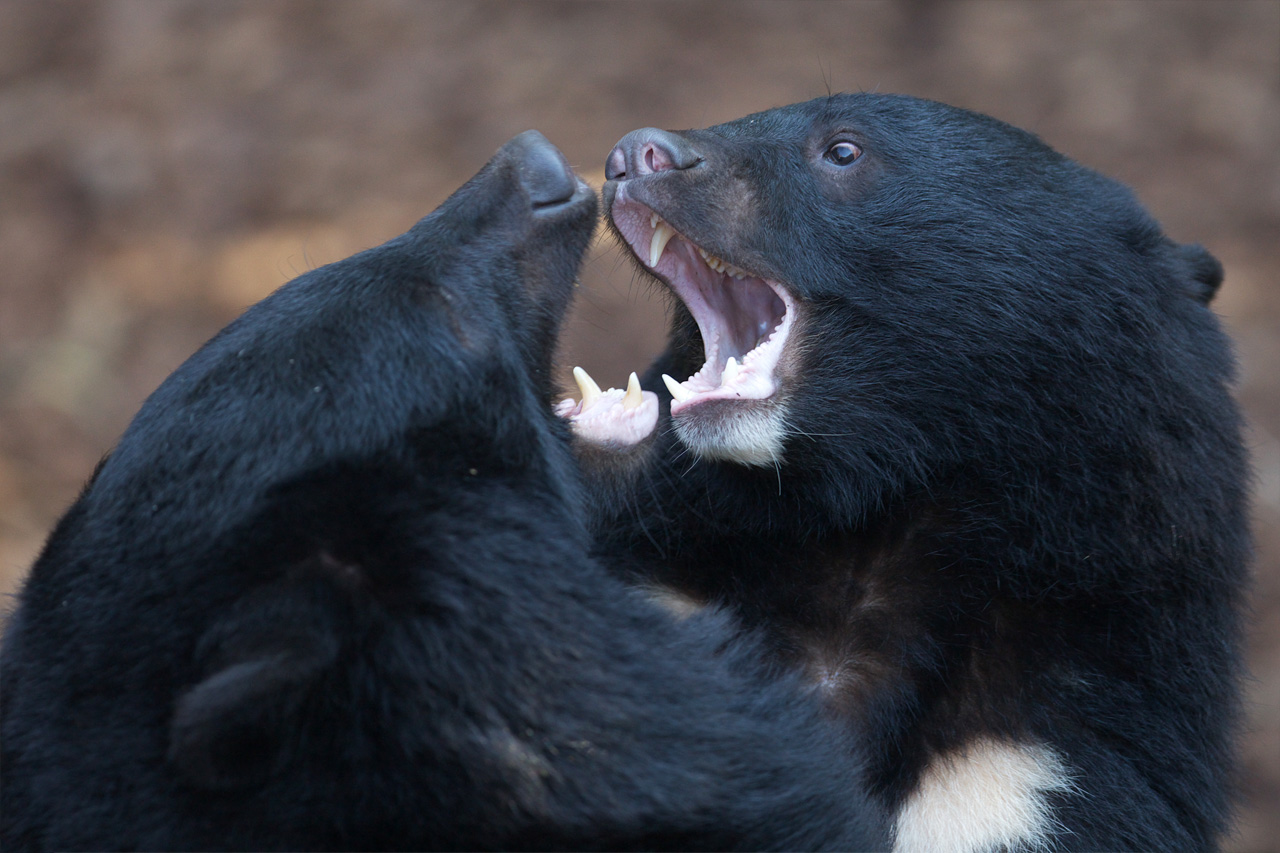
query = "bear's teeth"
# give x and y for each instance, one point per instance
(679, 393)
(730, 371)
(587, 386)
(634, 397)
(662, 232)
(721, 266)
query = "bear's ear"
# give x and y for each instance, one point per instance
(240, 723)
(1200, 270)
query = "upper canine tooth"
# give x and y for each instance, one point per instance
(730, 371)
(590, 390)
(662, 232)
(679, 393)
(633, 397)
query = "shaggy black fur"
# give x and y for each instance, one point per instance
(332, 591)
(1010, 501)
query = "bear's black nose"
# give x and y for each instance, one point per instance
(649, 150)
(544, 173)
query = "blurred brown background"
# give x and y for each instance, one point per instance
(164, 164)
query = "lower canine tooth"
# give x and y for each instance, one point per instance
(590, 390)
(730, 371)
(633, 397)
(679, 393)
(661, 234)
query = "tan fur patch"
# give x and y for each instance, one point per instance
(987, 796)
(753, 437)
(673, 601)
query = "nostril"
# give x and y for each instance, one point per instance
(647, 151)
(616, 166)
(657, 159)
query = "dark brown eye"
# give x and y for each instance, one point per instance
(843, 153)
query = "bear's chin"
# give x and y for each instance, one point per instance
(748, 432)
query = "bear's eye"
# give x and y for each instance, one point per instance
(842, 153)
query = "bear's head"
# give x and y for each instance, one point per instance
(271, 614)
(371, 418)
(879, 295)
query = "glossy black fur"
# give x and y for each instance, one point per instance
(332, 591)
(1012, 499)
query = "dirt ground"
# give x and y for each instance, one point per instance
(165, 164)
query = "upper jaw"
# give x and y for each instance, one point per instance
(745, 319)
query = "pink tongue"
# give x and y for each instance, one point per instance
(736, 314)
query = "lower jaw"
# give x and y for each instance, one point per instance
(748, 433)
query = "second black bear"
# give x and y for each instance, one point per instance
(332, 591)
(946, 415)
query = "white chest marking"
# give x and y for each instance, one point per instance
(988, 795)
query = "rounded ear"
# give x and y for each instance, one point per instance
(1202, 272)
(239, 724)
(233, 729)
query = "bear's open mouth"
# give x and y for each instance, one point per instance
(744, 319)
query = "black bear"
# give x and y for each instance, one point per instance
(332, 590)
(947, 416)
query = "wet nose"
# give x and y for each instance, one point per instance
(649, 150)
(543, 171)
